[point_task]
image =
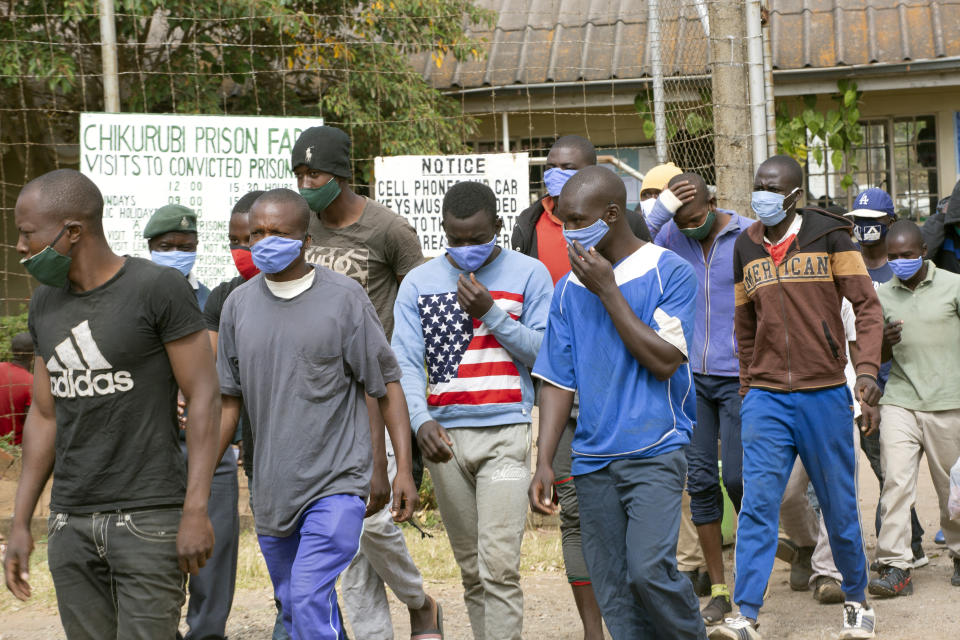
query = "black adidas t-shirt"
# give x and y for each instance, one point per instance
(115, 395)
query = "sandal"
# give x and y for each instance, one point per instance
(715, 610)
(431, 634)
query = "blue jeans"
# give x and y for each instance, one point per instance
(776, 428)
(718, 418)
(305, 565)
(630, 519)
(116, 573)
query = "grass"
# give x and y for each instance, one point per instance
(541, 552)
(43, 595)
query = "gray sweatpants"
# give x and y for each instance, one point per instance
(482, 495)
(383, 558)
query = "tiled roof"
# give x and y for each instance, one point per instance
(550, 41)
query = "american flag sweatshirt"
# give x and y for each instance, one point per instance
(467, 372)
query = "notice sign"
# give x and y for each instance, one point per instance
(414, 187)
(141, 162)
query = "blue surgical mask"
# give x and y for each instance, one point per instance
(768, 206)
(182, 261)
(905, 268)
(588, 236)
(472, 256)
(868, 230)
(555, 178)
(273, 254)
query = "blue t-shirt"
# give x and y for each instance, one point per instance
(879, 276)
(625, 412)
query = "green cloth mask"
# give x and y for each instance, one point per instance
(49, 266)
(701, 232)
(321, 197)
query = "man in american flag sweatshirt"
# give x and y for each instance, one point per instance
(468, 326)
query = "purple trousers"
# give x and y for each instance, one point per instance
(305, 565)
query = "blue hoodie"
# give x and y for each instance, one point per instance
(463, 372)
(714, 347)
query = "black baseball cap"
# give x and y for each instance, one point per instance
(323, 149)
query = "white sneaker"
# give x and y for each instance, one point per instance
(859, 621)
(739, 628)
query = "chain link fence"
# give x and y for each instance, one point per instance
(400, 76)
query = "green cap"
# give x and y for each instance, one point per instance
(170, 217)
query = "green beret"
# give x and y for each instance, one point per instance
(170, 217)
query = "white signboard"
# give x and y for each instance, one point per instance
(414, 186)
(141, 162)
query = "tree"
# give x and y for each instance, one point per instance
(345, 60)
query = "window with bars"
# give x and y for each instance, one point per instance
(896, 154)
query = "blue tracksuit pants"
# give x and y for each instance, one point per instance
(775, 429)
(305, 565)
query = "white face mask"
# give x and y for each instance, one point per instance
(646, 206)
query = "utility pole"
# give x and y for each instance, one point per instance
(108, 53)
(733, 143)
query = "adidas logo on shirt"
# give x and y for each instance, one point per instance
(79, 370)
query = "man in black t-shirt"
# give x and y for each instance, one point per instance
(115, 337)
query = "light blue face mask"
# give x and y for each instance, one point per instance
(768, 206)
(472, 256)
(554, 178)
(905, 268)
(588, 236)
(273, 254)
(182, 261)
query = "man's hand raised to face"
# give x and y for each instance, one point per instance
(592, 269)
(473, 297)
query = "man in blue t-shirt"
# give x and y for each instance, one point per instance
(623, 317)
(872, 214)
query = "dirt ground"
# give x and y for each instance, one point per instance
(933, 612)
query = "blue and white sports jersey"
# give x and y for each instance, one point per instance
(625, 412)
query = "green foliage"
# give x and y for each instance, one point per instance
(835, 131)
(9, 327)
(345, 60)
(7, 446)
(428, 498)
(695, 119)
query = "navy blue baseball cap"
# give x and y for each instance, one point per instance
(872, 203)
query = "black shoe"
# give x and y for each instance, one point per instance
(800, 569)
(716, 610)
(892, 582)
(787, 550)
(826, 590)
(875, 566)
(955, 580)
(700, 581)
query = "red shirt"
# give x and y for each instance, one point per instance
(551, 245)
(16, 385)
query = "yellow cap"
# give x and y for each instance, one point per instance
(658, 177)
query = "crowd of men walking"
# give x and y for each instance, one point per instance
(657, 343)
